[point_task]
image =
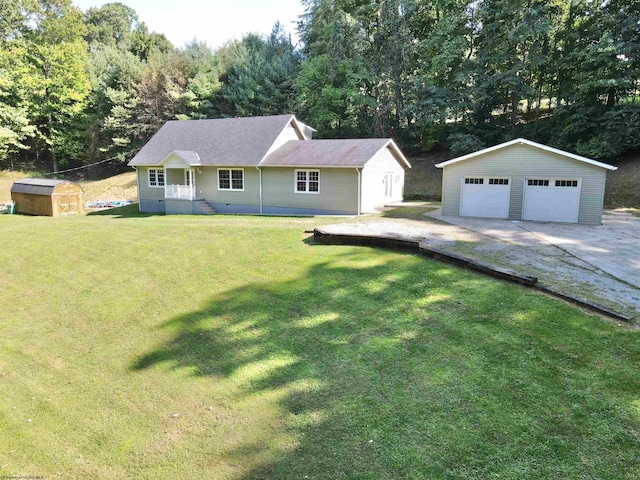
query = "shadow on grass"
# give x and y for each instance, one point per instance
(128, 211)
(398, 367)
(409, 213)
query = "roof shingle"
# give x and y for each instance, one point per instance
(326, 153)
(223, 141)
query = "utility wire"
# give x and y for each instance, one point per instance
(90, 165)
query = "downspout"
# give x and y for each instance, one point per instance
(260, 173)
(138, 187)
(359, 189)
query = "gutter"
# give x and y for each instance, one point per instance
(260, 182)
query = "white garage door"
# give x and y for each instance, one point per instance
(485, 197)
(551, 200)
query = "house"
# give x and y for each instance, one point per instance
(264, 165)
(524, 180)
(48, 197)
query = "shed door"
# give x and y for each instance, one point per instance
(485, 197)
(551, 199)
(69, 204)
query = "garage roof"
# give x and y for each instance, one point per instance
(524, 141)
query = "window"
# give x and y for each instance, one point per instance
(156, 177)
(474, 181)
(188, 177)
(538, 183)
(498, 181)
(230, 179)
(307, 181)
(566, 183)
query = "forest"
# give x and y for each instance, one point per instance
(77, 88)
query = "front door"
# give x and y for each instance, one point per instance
(388, 185)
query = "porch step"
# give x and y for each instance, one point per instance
(205, 207)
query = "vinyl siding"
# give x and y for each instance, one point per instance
(338, 190)
(146, 192)
(519, 162)
(373, 188)
(206, 180)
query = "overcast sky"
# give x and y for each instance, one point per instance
(213, 21)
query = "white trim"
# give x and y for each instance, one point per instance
(307, 181)
(398, 152)
(524, 141)
(292, 122)
(359, 190)
(181, 158)
(164, 177)
(230, 189)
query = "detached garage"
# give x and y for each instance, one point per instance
(524, 180)
(43, 196)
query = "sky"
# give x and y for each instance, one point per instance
(212, 21)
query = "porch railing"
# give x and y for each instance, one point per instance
(179, 191)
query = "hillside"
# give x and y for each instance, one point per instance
(623, 185)
(424, 180)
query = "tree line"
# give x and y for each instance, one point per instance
(80, 87)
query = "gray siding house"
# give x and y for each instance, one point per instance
(524, 180)
(264, 165)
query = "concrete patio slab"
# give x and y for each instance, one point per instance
(599, 266)
(613, 247)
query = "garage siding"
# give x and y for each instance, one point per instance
(519, 162)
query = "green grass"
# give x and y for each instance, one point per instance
(284, 359)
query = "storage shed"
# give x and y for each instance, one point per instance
(524, 180)
(43, 196)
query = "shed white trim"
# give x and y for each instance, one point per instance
(524, 141)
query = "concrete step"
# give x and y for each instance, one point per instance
(205, 207)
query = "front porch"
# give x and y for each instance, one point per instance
(180, 192)
(180, 183)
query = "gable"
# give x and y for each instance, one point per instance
(180, 159)
(543, 151)
(521, 160)
(291, 132)
(226, 141)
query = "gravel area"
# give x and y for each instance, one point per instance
(554, 267)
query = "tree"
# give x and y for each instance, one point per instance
(112, 24)
(261, 77)
(57, 60)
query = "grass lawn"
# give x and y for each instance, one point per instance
(165, 347)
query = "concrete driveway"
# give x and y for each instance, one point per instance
(613, 247)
